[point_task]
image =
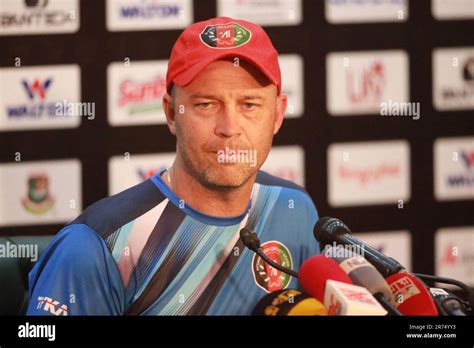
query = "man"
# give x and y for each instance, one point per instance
(170, 245)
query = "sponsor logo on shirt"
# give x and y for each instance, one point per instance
(267, 277)
(51, 306)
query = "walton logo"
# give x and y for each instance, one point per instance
(468, 158)
(49, 305)
(466, 178)
(37, 88)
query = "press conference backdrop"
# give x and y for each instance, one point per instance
(379, 129)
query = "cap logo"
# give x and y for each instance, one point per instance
(224, 36)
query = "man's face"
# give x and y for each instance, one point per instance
(226, 108)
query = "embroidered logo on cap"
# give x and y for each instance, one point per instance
(224, 36)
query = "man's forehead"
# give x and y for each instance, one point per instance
(208, 92)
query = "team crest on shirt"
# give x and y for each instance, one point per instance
(267, 277)
(228, 35)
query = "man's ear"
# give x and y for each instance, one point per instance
(168, 107)
(281, 105)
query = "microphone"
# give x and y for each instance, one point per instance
(322, 278)
(449, 304)
(333, 231)
(349, 299)
(288, 302)
(410, 295)
(467, 290)
(364, 274)
(251, 241)
(316, 271)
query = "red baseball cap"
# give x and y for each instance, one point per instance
(204, 42)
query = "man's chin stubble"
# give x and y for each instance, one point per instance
(218, 185)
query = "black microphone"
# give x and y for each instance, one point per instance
(467, 290)
(450, 304)
(330, 231)
(251, 241)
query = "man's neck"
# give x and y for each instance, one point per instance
(207, 201)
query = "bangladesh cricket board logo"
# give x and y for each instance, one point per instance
(228, 35)
(266, 277)
(38, 200)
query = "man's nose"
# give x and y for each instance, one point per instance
(227, 124)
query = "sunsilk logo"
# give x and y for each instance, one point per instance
(150, 10)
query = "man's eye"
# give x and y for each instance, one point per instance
(249, 106)
(204, 106)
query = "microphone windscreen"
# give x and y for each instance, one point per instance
(316, 271)
(410, 296)
(361, 271)
(288, 302)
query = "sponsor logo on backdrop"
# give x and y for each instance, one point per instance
(21, 17)
(286, 162)
(454, 250)
(452, 9)
(396, 244)
(366, 86)
(127, 171)
(466, 177)
(36, 94)
(38, 199)
(467, 91)
(125, 15)
(266, 277)
(33, 98)
(356, 11)
(146, 173)
(361, 82)
(142, 96)
(135, 92)
(292, 83)
(42, 192)
(368, 173)
(453, 78)
(263, 12)
(454, 168)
